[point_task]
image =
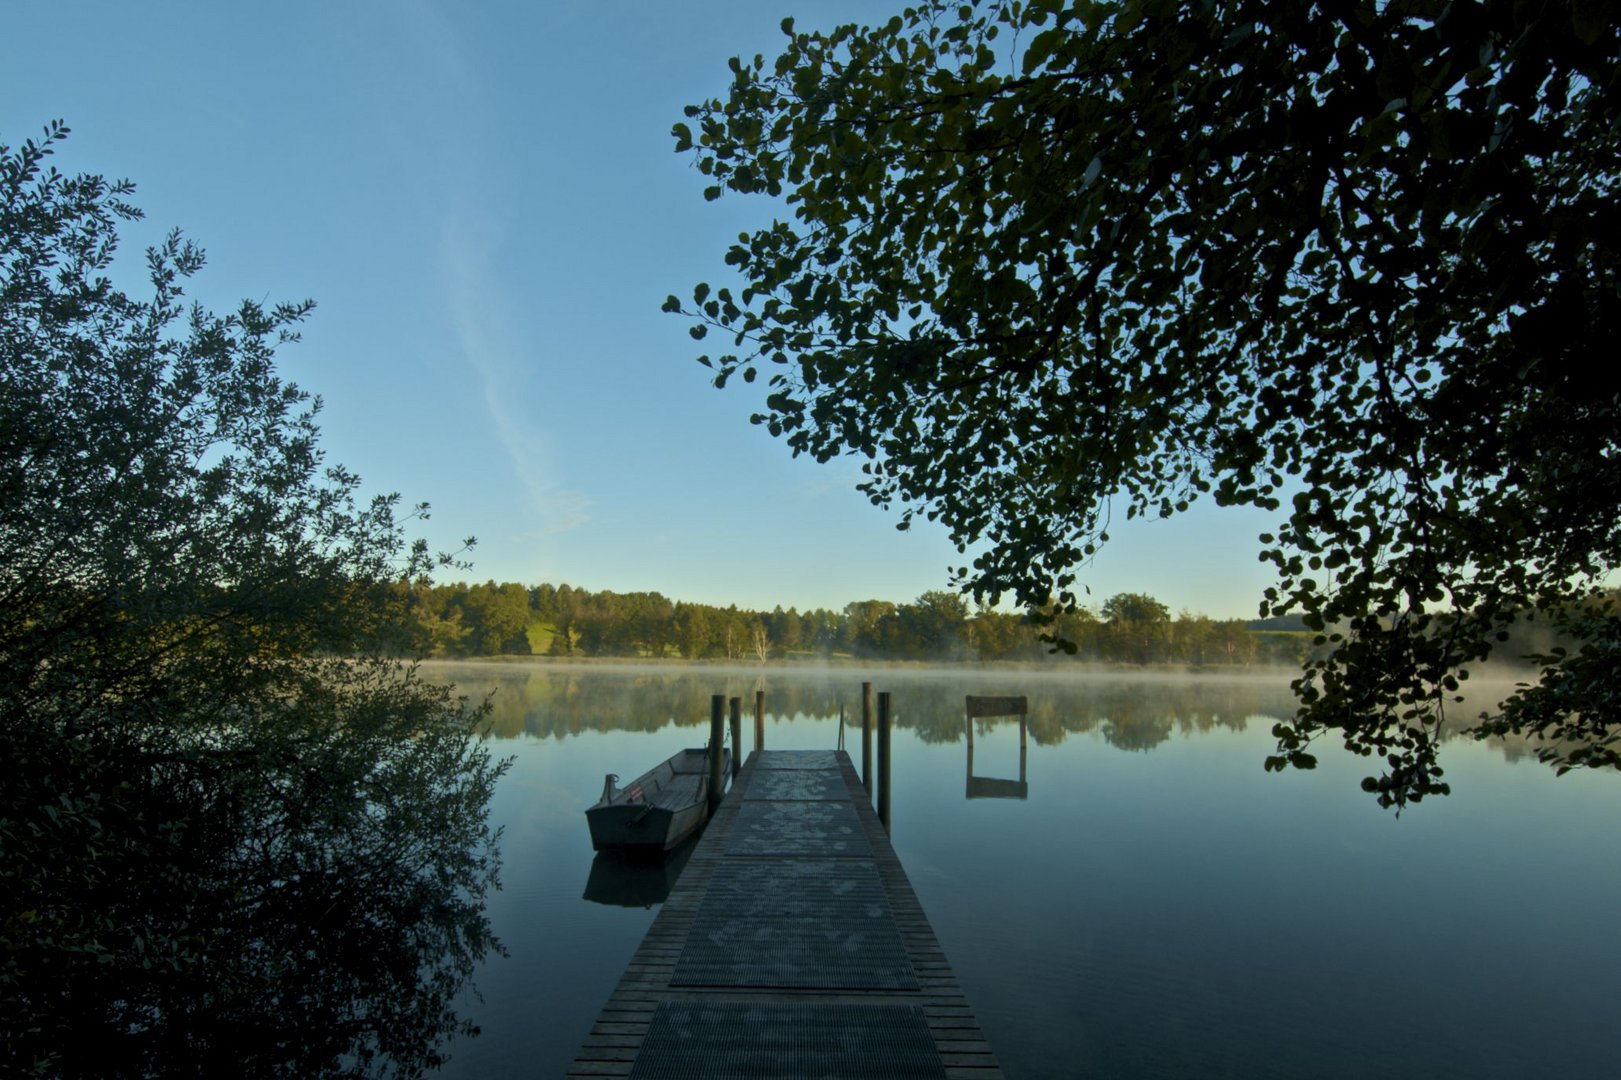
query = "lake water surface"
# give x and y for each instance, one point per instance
(1155, 906)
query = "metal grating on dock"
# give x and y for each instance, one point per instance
(792, 924)
(808, 785)
(798, 828)
(792, 945)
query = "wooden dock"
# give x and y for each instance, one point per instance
(791, 946)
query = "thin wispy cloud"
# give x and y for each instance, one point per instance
(485, 326)
(485, 339)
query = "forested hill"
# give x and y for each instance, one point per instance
(564, 621)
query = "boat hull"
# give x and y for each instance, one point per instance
(663, 807)
(642, 828)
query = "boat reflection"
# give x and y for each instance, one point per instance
(621, 879)
(986, 787)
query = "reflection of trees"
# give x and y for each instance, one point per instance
(1129, 713)
(279, 896)
(1133, 730)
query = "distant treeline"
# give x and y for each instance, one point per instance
(564, 621)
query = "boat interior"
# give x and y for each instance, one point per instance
(672, 783)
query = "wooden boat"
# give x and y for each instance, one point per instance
(657, 810)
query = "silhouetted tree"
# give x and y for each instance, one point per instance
(235, 838)
(1349, 261)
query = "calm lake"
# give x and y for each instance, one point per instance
(1155, 906)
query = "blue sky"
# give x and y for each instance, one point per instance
(483, 200)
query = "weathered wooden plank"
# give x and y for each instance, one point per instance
(975, 1059)
(605, 1030)
(604, 1068)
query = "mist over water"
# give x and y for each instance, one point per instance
(1155, 905)
(1132, 708)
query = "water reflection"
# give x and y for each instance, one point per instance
(300, 898)
(989, 709)
(1129, 711)
(989, 787)
(1135, 914)
(621, 879)
(558, 701)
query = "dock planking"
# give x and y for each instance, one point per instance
(792, 945)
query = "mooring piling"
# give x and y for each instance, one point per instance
(884, 720)
(737, 736)
(866, 739)
(717, 758)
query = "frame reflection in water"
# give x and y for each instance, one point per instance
(986, 787)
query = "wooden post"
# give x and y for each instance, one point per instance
(737, 736)
(884, 800)
(968, 792)
(717, 738)
(866, 738)
(1024, 730)
(759, 719)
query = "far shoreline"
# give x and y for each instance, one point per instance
(1046, 670)
(1062, 669)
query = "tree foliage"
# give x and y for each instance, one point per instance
(1139, 625)
(1354, 262)
(452, 620)
(234, 840)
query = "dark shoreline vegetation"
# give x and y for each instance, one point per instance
(562, 621)
(237, 836)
